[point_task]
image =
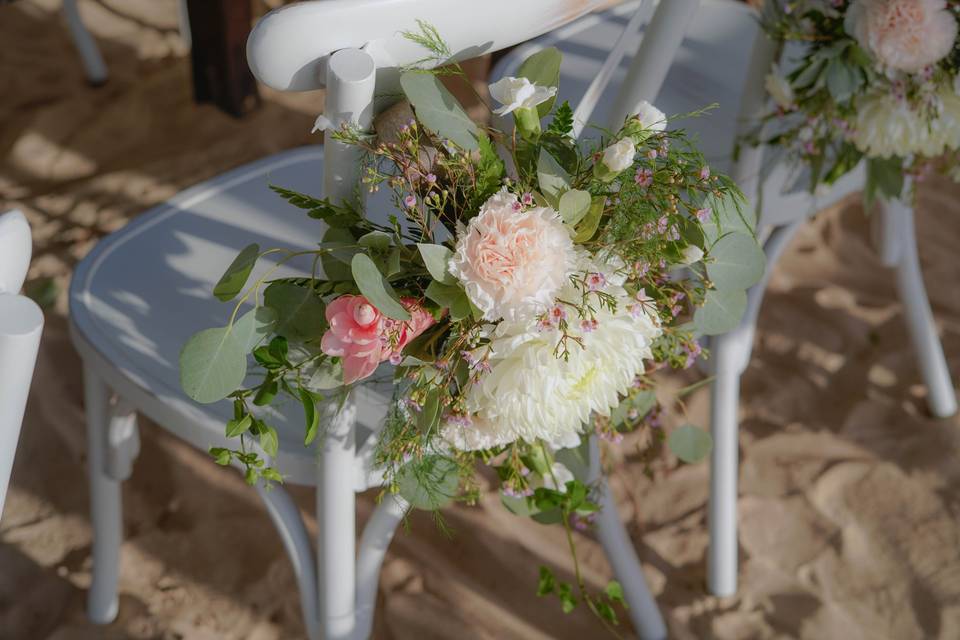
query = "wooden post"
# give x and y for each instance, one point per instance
(219, 30)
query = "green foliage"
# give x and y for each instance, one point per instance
(562, 123)
(690, 443)
(234, 279)
(721, 312)
(429, 483)
(884, 179)
(453, 297)
(212, 364)
(435, 258)
(735, 261)
(311, 416)
(299, 310)
(376, 289)
(574, 205)
(543, 68)
(438, 110)
(552, 178)
(320, 208)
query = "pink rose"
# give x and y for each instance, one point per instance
(513, 262)
(903, 34)
(363, 337)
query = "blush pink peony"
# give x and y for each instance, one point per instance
(907, 35)
(512, 262)
(363, 337)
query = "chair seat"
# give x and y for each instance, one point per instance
(709, 68)
(176, 252)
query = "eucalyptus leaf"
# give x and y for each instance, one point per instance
(430, 412)
(588, 226)
(689, 443)
(543, 68)
(809, 74)
(521, 506)
(736, 262)
(843, 79)
(327, 375)
(299, 309)
(452, 297)
(336, 264)
(553, 179)
(376, 241)
(376, 289)
(233, 280)
(438, 110)
(436, 257)
(254, 326)
(721, 312)
(574, 205)
(213, 363)
(884, 179)
(429, 483)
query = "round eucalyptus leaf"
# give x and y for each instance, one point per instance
(689, 443)
(213, 363)
(736, 261)
(721, 312)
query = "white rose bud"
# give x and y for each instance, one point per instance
(619, 156)
(779, 89)
(649, 116)
(519, 93)
(692, 253)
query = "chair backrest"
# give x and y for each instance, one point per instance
(289, 47)
(21, 322)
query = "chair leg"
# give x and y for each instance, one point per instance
(373, 547)
(336, 522)
(105, 504)
(93, 64)
(899, 233)
(286, 518)
(728, 355)
(618, 547)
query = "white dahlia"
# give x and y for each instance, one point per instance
(531, 393)
(887, 126)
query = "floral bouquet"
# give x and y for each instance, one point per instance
(523, 290)
(874, 79)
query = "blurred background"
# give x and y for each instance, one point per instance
(849, 509)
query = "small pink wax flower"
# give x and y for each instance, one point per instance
(363, 337)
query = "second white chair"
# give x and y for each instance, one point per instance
(723, 60)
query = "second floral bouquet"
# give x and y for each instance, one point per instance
(521, 294)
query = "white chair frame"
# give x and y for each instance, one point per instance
(893, 232)
(21, 323)
(351, 51)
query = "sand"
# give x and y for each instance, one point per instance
(849, 499)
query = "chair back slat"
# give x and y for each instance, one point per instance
(648, 69)
(21, 323)
(288, 48)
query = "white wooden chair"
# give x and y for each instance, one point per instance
(21, 323)
(724, 59)
(144, 290)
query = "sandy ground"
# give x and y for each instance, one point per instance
(849, 497)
